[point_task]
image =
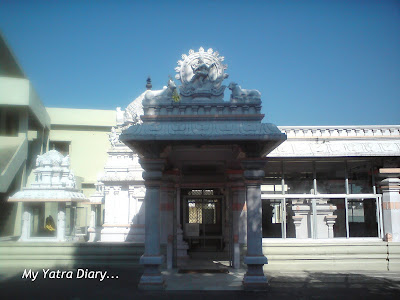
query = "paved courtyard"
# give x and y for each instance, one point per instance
(283, 285)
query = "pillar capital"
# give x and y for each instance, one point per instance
(238, 187)
(253, 176)
(253, 163)
(253, 169)
(390, 184)
(234, 175)
(153, 170)
(156, 164)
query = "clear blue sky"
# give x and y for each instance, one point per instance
(314, 62)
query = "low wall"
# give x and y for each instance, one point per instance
(50, 255)
(345, 256)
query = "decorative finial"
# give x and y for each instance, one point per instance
(149, 85)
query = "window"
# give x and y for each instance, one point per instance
(319, 218)
(339, 227)
(330, 177)
(272, 183)
(272, 218)
(299, 177)
(62, 147)
(360, 177)
(362, 218)
(11, 123)
(203, 211)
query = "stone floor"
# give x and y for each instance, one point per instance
(282, 285)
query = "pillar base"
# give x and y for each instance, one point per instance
(152, 278)
(152, 282)
(255, 283)
(255, 279)
(236, 256)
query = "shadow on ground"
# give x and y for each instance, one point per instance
(303, 285)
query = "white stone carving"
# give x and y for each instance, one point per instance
(98, 196)
(61, 226)
(54, 182)
(302, 218)
(51, 158)
(242, 94)
(120, 116)
(201, 74)
(120, 187)
(134, 111)
(201, 67)
(161, 95)
(113, 137)
(26, 223)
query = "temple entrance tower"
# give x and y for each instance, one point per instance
(190, 138)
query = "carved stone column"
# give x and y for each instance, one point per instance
(61, 222)
(255, 260)
(170, 227)
(182, 246)
(391, 204)
(330, 221)
(301, 219)
(297, 220)
(238, 208)
(167, 211)
(26, 224)
(152, 258)
(92, 224)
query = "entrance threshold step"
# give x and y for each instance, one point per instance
(203, 271)
(193, 266)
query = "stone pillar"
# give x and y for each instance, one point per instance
(301, 219)
(152, 258)
(61, 222)
(26, 225)
(297, 220)
(170, 226)
(237, 208)
(391, 208)
(92, 224)
(181, 246)
(255, 260)
(167, 221)
(242, 217)
(330, 221)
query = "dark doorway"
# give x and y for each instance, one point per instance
(202, 219)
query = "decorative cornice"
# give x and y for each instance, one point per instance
(375, 131)
(329, 148)
(42, 195)
(204, 117)
(205, 130)
(320, 141)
